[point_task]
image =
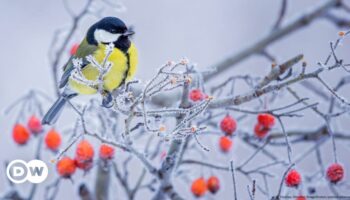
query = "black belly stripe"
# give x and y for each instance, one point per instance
(127, 70)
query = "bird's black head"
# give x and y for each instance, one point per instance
(110, 30)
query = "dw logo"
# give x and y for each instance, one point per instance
(35, 171)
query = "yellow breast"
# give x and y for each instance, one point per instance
(123, 65)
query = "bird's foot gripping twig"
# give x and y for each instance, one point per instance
(107, 99)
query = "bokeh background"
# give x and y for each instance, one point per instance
(204, 31)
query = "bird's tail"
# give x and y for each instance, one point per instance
(52, 115)
(56, 109)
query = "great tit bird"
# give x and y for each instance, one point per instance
(123, 58)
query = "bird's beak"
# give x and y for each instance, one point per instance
(129, 33)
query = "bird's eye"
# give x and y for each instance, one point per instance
(113, 30)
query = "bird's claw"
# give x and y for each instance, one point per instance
(107, 100)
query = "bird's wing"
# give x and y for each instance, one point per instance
(84, 50)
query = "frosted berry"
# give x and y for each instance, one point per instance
(84, 155)
(84, 152)
(199, 187)
(293, 178)
(260, 131)
(73, 50)
(20, 134)
(106, 152)
(66, 167)
(228, 125)
(266, 120)
(34, 125)
(335, 173)
(53, 140)
(213, 184)
(225, 143)
(196, 95)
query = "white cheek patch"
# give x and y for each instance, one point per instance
(105, 37)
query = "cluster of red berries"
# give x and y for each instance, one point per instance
(84, 155)
(21, 134)
(334, 173)
(200, 186)
(228, 125)
(83, 160)
(196, 95)
(265, 123)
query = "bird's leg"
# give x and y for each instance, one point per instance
(107, 100)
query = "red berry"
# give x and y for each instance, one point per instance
(66, 167)
(74, 49)
(53, 140)
(260, 131)
(84, 152)
(293, 178)
(225, 143)
(335, 173)
(199, 187)
(301, 197)
(228, 125)
(196, 95)
(267, 120)
(20, 134)
(34, 125)
(106, 152)
(84, 155)
(213, 184)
